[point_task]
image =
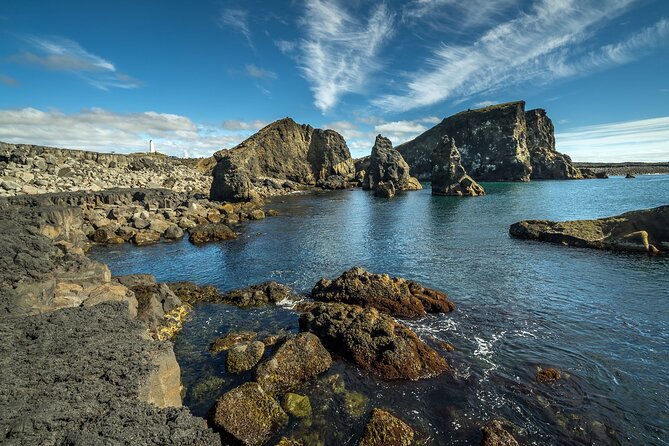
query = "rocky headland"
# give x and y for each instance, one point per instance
(637, 231)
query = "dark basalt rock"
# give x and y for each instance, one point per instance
(191, 293)
(211, 232)
(386, 165)
(385, 429)
(393, 295)
(448, 175)
(267, 293)
(547, 163)
(284, 150)
(373, 340)
(637, 231)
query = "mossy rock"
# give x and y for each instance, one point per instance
(244, 356)
(297, 405)
(385, 429)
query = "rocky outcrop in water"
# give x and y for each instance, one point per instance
(392, 295)
(496, 433)
(385, 429)
(373, 340)
(386, 166)
(637, 231)
(282, 157)
(448, 175)
(268, 293)
(547, 163)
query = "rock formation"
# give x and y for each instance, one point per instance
(386, 165)
(547, 163)
(637, 231)
(496, 433)
(448, 175)
(373, 340)
(497, 143)
(392, 295)
(385, 429)
(284, 155)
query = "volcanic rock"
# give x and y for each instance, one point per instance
(385, 190)
(547, 163)
(386, 165)
(267, 293)
(448, 175)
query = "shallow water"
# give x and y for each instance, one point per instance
(601, 317)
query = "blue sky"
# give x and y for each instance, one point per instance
(203, 75)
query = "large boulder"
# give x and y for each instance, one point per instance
(385, 429)
(386, 165)
(248, 415)
(393, 295)
(492, 142)
(298, 360)
(244, 356)
(211, 232)
(373, 340)
(282, 151)
(448, 175)
(637, 231)
(547, 163)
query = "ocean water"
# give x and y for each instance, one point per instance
(602, 318)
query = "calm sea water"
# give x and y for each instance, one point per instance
(600, 317)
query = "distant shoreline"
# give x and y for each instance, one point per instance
(626, 167)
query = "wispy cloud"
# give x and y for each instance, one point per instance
(454, 14)
(286, 46)
(260, 73)
(60, 54)
(643, 140)
(9, 81)
(339, 51)
(236, 125)
(534, 46)
(484, 104)
(237, 20)
(103, 130)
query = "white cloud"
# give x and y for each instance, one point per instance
(643, 140)
(430, 120)
(60, 54)
(454, 14)
(347, 129)
(236, 125)
(339, 52)
(102, 130)
(483, 104)
(400, 127)
(238, 21)
(534, 46)
(286, 46)
(260, 73)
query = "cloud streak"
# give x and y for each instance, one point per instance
(238, 21)
(339, 51)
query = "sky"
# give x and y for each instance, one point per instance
(200, 76)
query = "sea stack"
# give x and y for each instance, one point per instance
(448, 175)
(387, 167)
(547, 163)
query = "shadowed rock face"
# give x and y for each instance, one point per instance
(393, 295)
(547, 163)
(386, 165)
(373, 340)
(282, 151)
(448, 175)
(638, 231)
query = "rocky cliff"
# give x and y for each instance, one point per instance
(448, 175)
(386, 165)
(281, 157)
(497, 143)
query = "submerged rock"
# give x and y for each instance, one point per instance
(267, 293)
(298, 406)
(211, 232)
(231, 339)
(373, 340)
(496, 433)
(448, 175)
(547, 375)
(385, 429)
(244, 356)
(392, 295)
(637, 231)
(248, 415)
(386, 166)
(296, 361)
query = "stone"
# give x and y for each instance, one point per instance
(159, 226)
(636, 231)
(298, 406)
(448, 175)
(206, 387)
(140, 223)
(191, 293)
(65, 172)
(385, 429)
(211, 232)
(496, 433)
(248, 415)
(107, 236)
(385, 190)
(186, 223)
(392, 295)
(386, 165)
(244, 356)
(268, 293)
(30, 190)
(173, 233)
(163, 386)
(231, 339)
(547, 375)
(10, 185)
(298, 360)
(373, 340)
(547, 163)
(256, 214)
(145, 237)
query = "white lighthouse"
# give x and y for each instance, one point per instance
(152, 149)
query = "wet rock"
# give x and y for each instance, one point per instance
(298, 406)
(373, 340)
(268, 293)
(296, 361)
(392, 295)
(289, 442)
(547, 375)
(206, 387)
(637, 231)
(145, 237)
(386, 165)
(385, 429)
(191, 293)
(630, 175)
(248, 415)
(448, 175)
(496, 433)
(231, 339)
(211, 232)
(244, 356)
(385, 190)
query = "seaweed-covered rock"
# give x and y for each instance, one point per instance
(191, 293)
(296, 361)
(211, 232)
(373, 340)
(231, 339)
(386, 165)
(244, 356)
(267, 293)
(392, 295)
(496, 433)
(448, 175)
(248, 415)
(637, 231)
(385, 429)
(547, 375)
